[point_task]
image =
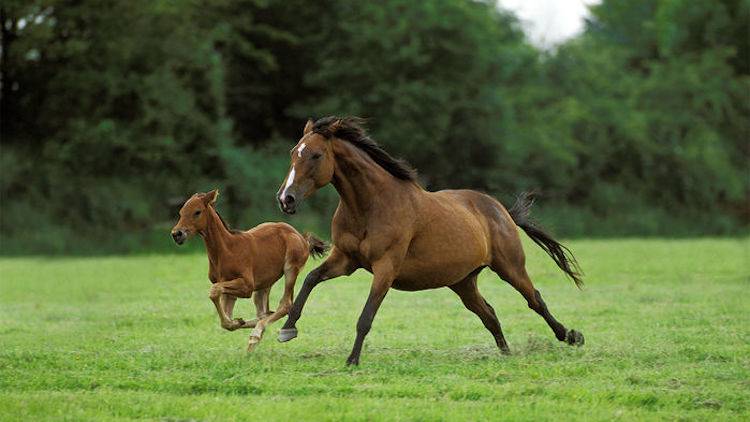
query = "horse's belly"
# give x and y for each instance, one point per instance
(421, 275)
(442, 257)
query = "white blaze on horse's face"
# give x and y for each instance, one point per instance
(290, 177)
(289, 181)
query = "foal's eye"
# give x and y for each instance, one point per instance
(197, 213)
(316, 155)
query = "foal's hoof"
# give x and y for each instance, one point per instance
(231, 325)
(252, 343)
(574, 338)
(286, 334)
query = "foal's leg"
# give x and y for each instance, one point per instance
(467, 290)
(520, 280)
(290, 277)
(228, 302)
(222, 290)
(337, 264)
(261, 299)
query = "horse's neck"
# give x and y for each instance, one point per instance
(360, 182)
(215, 236)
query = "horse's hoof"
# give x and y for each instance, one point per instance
(574, 338)
(352, 360)
(286, 334)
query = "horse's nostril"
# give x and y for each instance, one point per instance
(289, 199)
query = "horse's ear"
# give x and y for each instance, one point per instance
(308, 127)
(334, 126)
(209, 198)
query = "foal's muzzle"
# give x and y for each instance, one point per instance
(288, 203)
(179, 236)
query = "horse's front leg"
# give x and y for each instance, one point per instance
(337, 264)
(384, 273)
(221, 291)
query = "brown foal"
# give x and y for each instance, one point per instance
(241, 264)
(409, 238)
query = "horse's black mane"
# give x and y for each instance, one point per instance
(351, 129)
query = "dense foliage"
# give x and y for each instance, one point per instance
(113, 111)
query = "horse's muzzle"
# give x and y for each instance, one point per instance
(179, 236)
(288, 203)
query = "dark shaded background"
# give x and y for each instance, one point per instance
(114, 111)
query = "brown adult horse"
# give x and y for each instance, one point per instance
(243, 263)
(408, 238)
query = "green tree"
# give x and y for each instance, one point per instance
(436, 79)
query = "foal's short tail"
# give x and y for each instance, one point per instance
(318, 248)
(562, 256)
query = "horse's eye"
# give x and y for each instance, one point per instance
(197, 213)
(316, 155)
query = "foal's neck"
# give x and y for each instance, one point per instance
(360, 181)
(215, 236)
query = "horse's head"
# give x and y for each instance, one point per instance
(193, 216)
(311, 167)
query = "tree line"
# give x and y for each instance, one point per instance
(112, 112)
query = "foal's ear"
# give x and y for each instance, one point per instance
(209, 198)
(308, 127)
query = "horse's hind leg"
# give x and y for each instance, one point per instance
(520, 280)
(290, 278)
(261, 300)
(467, 290)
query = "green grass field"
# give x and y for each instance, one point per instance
(666, 323)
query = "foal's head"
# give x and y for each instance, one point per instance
(311, 168)
(193, 216)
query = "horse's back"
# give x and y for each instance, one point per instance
(506, 250)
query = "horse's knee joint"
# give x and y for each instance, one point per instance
(214, 293)
(311, 282)
(313, 278)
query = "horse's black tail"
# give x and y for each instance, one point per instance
(562, 256)
(318, 248)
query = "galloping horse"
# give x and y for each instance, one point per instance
(243, 263)
(409, 238)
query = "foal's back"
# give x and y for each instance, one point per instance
(274, 247)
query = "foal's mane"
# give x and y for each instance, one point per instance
(352, 130)
(233, 231)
